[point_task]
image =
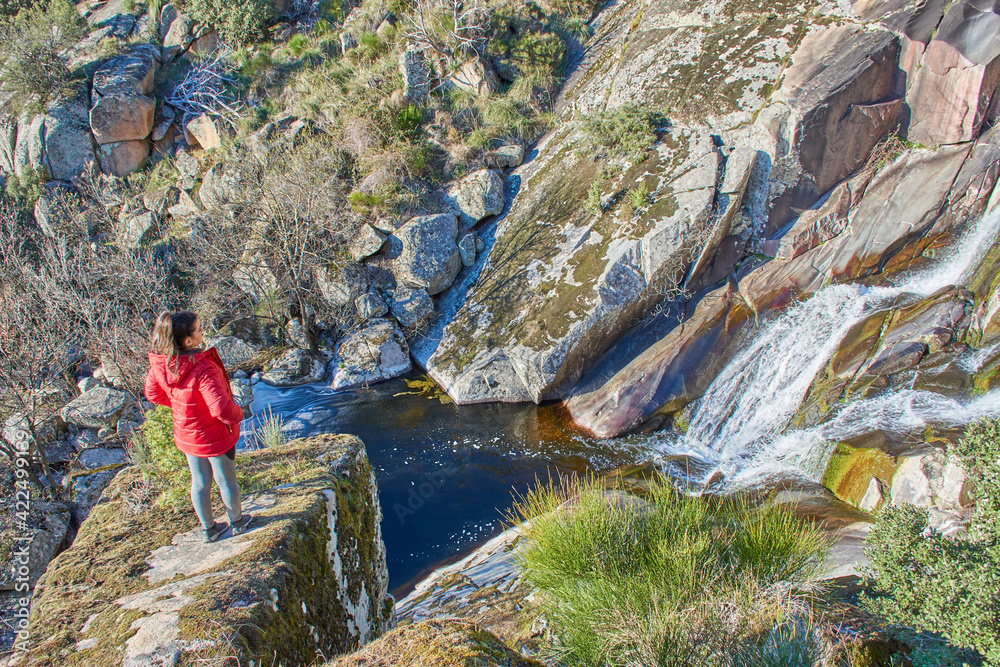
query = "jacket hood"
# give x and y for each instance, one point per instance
(180, 366)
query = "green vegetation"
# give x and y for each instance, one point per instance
(239, 22)
(32, 53)
(594, 204)
(269, 434)
(949, 586)
(625, 132)
(152, 449)
(669, 580)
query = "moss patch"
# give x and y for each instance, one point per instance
(445, 643)
(851, 470)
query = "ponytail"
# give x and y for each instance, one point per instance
(169, 333)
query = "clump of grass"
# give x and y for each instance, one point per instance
(625, 132)
(270, 434)
(666, 580)
(594, 204)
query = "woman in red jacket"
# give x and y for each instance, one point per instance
(194, 385)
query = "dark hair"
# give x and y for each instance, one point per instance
(170, 331)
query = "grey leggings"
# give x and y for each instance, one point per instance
(203, 470)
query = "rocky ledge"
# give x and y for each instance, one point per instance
(140, 587)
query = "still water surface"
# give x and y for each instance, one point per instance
(446, 473)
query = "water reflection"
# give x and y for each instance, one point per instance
(445, 473)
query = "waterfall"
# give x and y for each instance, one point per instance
(740, 421)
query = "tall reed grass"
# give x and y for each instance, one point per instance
(665, 580)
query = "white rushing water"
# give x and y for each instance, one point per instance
(740, 422)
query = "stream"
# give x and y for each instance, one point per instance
(445, 474)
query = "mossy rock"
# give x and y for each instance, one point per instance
(310, 577)
(439, 643)
(851, 470)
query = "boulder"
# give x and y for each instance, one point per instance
(954, 81)
(100, 458)
(253, 274)
(138, 230)
(121, 159)
(295, 333)
(98, 408)
(242, 391)
(376, 352)
(163, 122)
(309, 577)
(46, 524)
(416, 76)
(440, 643)
(87, 383)
(88, 438)
(412, 307)
(929, 480)
(476, 76)
(340, 286)
(367, 242)
(121, 108)
(423, 252)
(505, 157)
(204, 132)
(16, 430)
(476, 196)
(58, 141)
(220, 186)
(86, 488)
(370, 305)
(168, 14)
(296, 367)
(69, 147)
(207, 42)
(178, 36)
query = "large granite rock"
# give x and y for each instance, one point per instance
(412, 307)
(97, 408)
(121, 159)
(42, 527)
(296, 367)
(121, 107)
(476, 196)
(416, 76)
(424, 254)
(58, 141)
(143, 589)
(374, 353)
(558, 284)
(952, 78)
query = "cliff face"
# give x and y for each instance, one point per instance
(773, 178)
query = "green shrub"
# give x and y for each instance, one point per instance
(948, 586)
(32, 53)
(152, 448)
(594, 204)
(239, 22)
(670, 581)
(538, 53)
(27, 187)
(625, 132)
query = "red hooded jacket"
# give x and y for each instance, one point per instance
(196, 389)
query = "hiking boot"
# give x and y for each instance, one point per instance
(213, 533)
(242, 524)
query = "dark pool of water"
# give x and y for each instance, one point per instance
(445, 473)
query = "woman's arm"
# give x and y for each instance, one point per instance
(154, 392)
(217, 396)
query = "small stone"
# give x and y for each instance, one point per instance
(505, 157)
(98, 408)
(370, 305)
(467, 247)
(873, 496)
(368, 242)
(240, 375)
(87, 439)
(411, 307)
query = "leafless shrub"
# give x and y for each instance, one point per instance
(204, 90)
(455, 30)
